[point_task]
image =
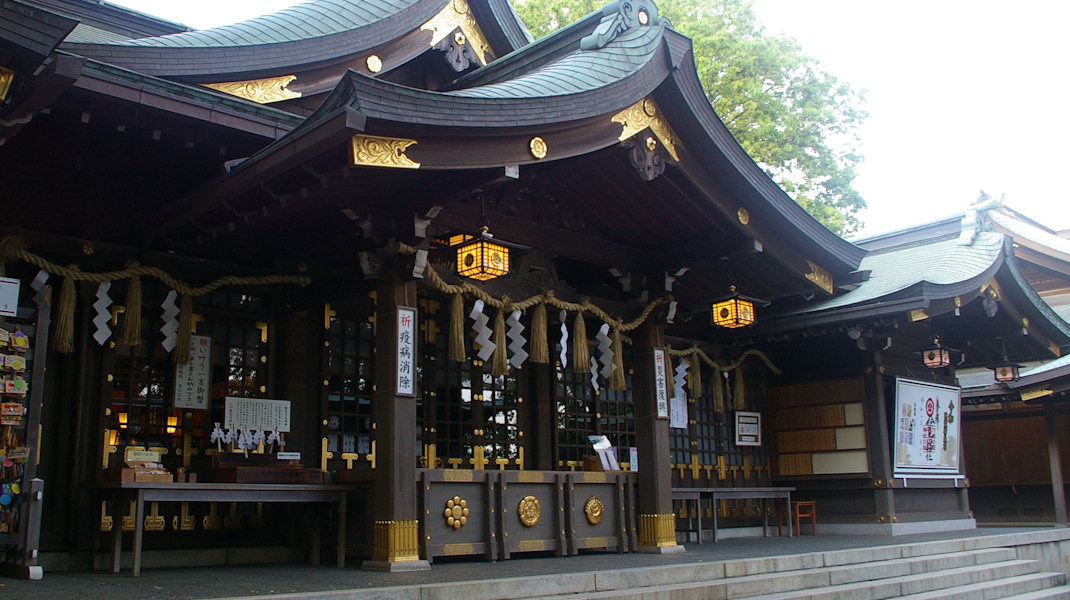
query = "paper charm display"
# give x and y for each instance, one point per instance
(515, 333)
(102, 304)
(483, 333)
(170, 321)
(564, 340)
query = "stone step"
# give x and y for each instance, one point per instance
(998, 588)
(815, 584)
(1056, 593)
(860, 573)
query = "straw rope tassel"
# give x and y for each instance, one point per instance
(739, 390)
(63, 334)
(499, 361)
(718, 391)
(616, 378)
(132, 322)
(694, 375)
(185, 330)
(581, 356)
(540, 349)
(456, 349)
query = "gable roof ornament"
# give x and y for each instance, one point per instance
(458, 15)
(973, 222)
(617, 17)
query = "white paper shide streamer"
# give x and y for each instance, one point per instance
(564, 340)
(483, 333)
(678, 404)
(170, 321)
(102, 304)
(594, 374)
(605, 350)
(515, 333)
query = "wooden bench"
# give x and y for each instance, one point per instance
(688, 494)
(140, 493)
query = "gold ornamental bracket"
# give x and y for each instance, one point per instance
(381, 151)
(261, 91)
(643, 115)
(458, 15)
(6, 77)
(820, 277)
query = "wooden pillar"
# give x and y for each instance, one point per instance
(396, 528)
(1057, 491)
(543, 426)
(657, 523)
(880, 447)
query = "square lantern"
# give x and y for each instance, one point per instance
(482, 258)
(1005, 371)
(936, 357)
(733, 311)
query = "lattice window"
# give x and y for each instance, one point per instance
(349, 345)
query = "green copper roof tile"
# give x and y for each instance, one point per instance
(582, 70)
(311, 19)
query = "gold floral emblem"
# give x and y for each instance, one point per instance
(374, 63)
(529, 511)
(593, 508)
(538, 147)
(456, 512)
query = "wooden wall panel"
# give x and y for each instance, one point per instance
(818, 427)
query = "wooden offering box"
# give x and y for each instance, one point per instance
(262, 468)
(142, 466)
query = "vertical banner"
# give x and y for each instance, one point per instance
(193, 380)
(406, 359)
(661, 383)
(678, 411)
(748, 428)
(926, 425)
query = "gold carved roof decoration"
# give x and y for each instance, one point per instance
(6, 77)
(261, 91)
(456, 15)
(380, 151)
(645, 114)
(820, 277)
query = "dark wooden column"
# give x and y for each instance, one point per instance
(1055, 463)
(877, 440)
(540, 453)
(396, 533)
(657, 523)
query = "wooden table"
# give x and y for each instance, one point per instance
(140, 493)
(686, 494)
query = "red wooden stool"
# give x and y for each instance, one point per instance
(800, 509)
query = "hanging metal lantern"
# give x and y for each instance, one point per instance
(481, 258)
(1005, 370)
(937, 356)
(733, 311)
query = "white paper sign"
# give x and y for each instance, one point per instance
(9, 297)
(748, 428)
(193, 380)
(678, 411)
(406, 364)
(927, 437)
(256, 413)
(661, 388)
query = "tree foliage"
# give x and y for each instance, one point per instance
(794, 119)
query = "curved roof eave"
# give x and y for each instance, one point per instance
(309, 33)
(723, 146)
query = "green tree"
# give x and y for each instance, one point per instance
(796, 121)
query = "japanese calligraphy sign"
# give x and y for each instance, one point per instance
(406, 360)
(193, 380)
(256, 414)
(661, 384)
(926, 425)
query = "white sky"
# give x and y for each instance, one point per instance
(963, 95)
